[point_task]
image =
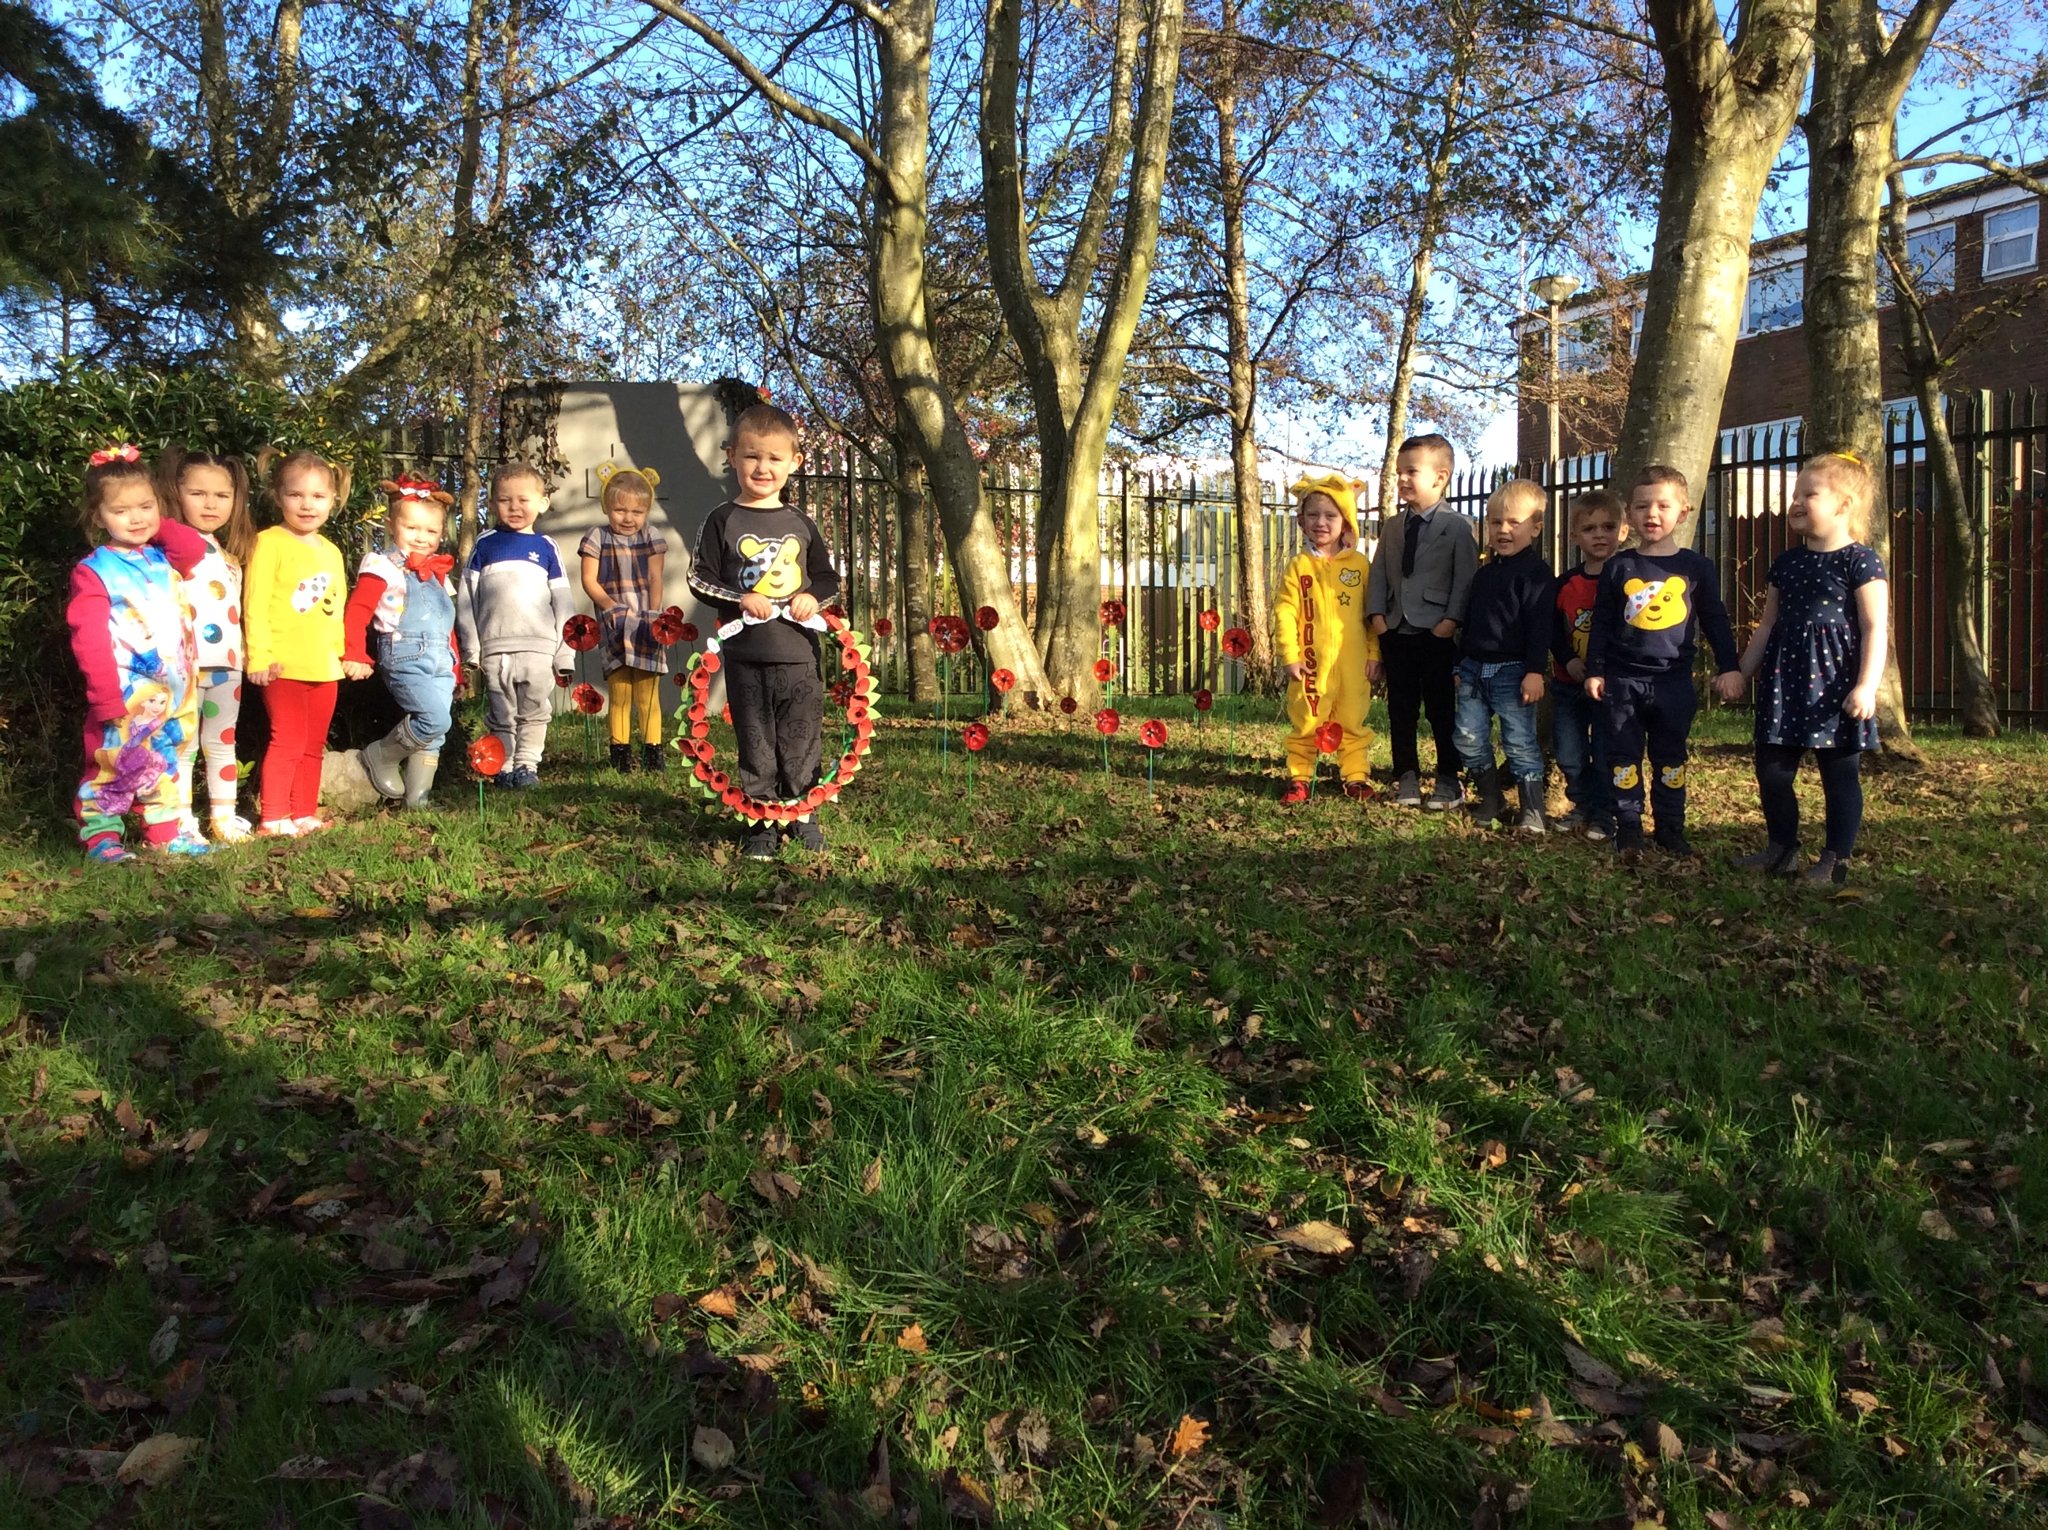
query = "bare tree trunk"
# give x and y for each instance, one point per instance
(913, 558)
(926, 412)
(1977, 699)
(1074, 383)
(1254, 608)
(1731, 111)
(1429, 229)
(1858, 82)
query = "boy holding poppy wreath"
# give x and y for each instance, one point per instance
(759, 558)
(1326, 648)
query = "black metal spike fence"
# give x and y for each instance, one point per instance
(1171, 547)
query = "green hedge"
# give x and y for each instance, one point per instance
(48, 428)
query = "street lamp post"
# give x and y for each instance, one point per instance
(1554, 291)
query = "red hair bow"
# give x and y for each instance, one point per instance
(125, 451)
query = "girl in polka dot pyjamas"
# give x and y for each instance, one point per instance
(1819, 653)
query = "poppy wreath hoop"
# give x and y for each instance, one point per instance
(719, 788)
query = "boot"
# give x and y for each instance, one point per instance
(650, 758)
(1487, 804)
(382, 759)
(622, 758)
(419, 776)
(1773, 861)
(1530, 820)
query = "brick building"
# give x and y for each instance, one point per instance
(1971, 243)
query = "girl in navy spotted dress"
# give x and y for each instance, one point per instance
(1819, 653)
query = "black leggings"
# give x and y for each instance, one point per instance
(1841, 786)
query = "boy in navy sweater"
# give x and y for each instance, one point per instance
(1504, 647)
(1653, 599)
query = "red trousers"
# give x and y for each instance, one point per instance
(300, 711)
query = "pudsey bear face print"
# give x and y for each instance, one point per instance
(1655, 604)
(311, 592)
(774, 566)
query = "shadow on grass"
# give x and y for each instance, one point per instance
(1098, 1085)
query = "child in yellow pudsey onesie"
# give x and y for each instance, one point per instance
(1325, 645)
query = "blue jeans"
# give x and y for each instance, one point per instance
(419, 671)
(1578, 737)
(1487, 691)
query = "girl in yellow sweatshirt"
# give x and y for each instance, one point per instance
(293, 600)
(1325, 645)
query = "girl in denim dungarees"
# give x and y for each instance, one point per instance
(403, 594)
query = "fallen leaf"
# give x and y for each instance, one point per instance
(316, 911)
(965, 1499)
(1603, 1401)
(912, 1339)
(1318, 1238)
(719, 1303)
(157, 1459)
(871, 1180)
(711, 1448)
(510, 1283)
(1661, 1438)
(1189, 1436)
(1492, 1156)
(111, 1396)
(1861, 1401)
(1592, 1371)
(1935, 1225)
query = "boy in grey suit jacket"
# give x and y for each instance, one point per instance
(1416, 598)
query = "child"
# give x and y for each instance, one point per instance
(295, 586)
(622, 564)
(209, 491)
(131, 632)
(404, 593)
(1421, 580)
(1578, 735)
(1653, 598)
(1820, 647)
(511, 609)
(1327, 652)
(758, 558)
(1504, 643)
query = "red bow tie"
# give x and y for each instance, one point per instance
(430, 565)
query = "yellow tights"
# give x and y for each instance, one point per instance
(634, 690)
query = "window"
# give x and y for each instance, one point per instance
(2010, 235)
(1776, 300)
(1930, 255)
(1586, 345)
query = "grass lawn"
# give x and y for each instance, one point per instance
(1054, 1157)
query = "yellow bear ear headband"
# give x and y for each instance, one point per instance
(1338, 490)
(610, 470)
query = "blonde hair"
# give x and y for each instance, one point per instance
(1660, 473)
(1518, 494)
(304, 460)
(1594, 501)
(625, 481)
(238, 533)
(1849, 475)
(512, 472)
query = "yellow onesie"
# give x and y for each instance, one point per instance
(1319, 622)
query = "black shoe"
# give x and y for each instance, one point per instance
(1771, 861)
(1448, 793)
(764, 844)
(807, 834)
(1830, 870)
(1628, 839)
(1675, 844)
(1486, 805)
(622, 758)
(651, 758)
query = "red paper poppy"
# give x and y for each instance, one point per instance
(1152, 733)
(1107, 722)
(563, 679)
(725, 714)
(986, 619)
(674, 611)
(1204, 700)
(1104, 669)
(665, 629)
(1329, 737)
(1112, 613)
(487, 755)
(687, 633)
(1210, 620)
(587, 699)
(841, 692)
(1069, 705)
(1003, 681)
(949, 633)
(1236, 642)
(580, 632)
(975, 737)
(883, 626)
